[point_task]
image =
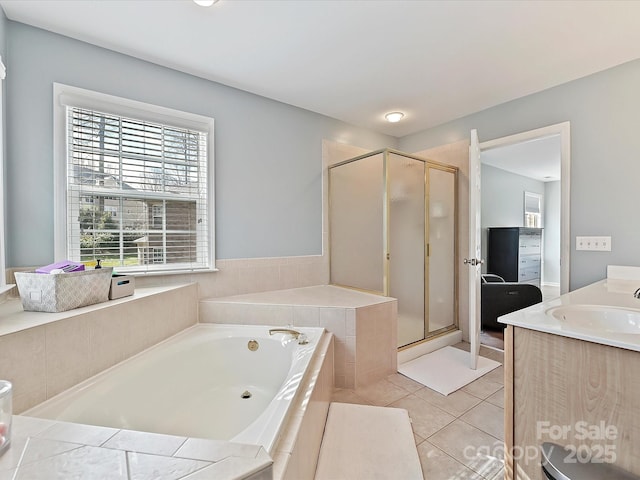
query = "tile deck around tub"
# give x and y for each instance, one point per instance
(314, 296)
(51, 450)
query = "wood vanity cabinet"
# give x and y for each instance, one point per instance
(569, 392)
(514, 253)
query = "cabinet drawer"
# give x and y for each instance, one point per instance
(530, 273)
(529, 261)
(529, 244)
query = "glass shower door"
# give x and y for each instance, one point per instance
(356, 223)
(406, 231)
(441, 291)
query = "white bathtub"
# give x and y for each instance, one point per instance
(192, 385)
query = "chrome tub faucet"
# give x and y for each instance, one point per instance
(636, 294)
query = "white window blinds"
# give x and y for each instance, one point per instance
(137, 193)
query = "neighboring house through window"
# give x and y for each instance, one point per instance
(134, 183)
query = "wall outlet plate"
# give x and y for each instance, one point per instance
(599, 244)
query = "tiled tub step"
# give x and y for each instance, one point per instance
(365, 442)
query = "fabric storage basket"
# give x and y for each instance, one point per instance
(41, 292)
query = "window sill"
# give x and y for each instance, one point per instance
(161, 273)
(14, 319)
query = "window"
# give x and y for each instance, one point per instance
(158, 255)
(157, 213)
(111, 210)
(134, 184)
(532, 210)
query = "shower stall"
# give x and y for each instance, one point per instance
(392, 227)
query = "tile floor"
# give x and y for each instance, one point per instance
(459, 436)
(492, 338)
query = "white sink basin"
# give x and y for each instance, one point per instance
(598, 318)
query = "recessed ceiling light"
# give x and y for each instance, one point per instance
(204, 3)
(394, 117)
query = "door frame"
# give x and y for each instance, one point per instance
(474, 260)
(562, 129)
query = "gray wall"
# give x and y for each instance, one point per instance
(503, 196)
(552, 232)
(502, 202)
(502, 205)
(268, 155)
(604, 111)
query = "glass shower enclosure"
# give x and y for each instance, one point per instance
(392, 230)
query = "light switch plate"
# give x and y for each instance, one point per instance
(599, 244)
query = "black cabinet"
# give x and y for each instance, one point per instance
(514, 253)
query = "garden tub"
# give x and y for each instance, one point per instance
(222, 382)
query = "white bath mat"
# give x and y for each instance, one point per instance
(365, 442)
(446, 370)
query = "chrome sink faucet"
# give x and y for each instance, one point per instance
(301, 337)
(636, 294)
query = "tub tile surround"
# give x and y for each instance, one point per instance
(364, 325)
(249, 275)
(50, 450)
(68, 445)
(297, 450)
(50, 352)
(145, 442)
(231, 276)
(65, 348)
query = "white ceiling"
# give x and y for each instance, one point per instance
(355, 60)
(538, 159)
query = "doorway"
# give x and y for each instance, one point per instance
(525, 183)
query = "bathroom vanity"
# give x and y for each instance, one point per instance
(571, 378)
